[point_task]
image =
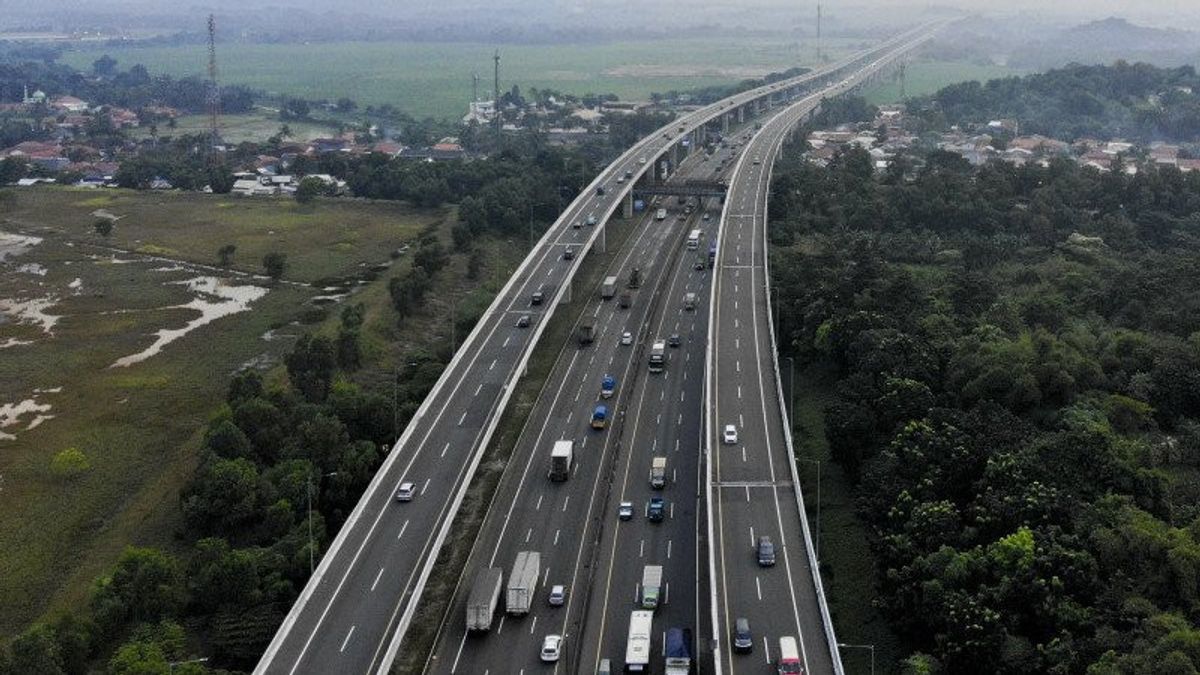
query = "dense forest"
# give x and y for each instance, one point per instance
(1135, 101)
(1013, 360)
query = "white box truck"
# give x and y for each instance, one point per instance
(560, 460)
(651, 586)
(609, 288)
(522, 582)
(485, 595)
(658, 472)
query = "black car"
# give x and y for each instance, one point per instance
(600, 190)
(673, 340)
(536, 298)
(569, 254)
(523, 321)
(743, 641)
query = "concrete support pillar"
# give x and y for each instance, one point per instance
(627, 206)
(674, 155)
(725, 123)
(601, 245)
(741, 114)
(567, 296)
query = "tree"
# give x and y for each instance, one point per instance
(274, 264)
(220, 180)
(139, 658)
(226, 440)
(69, 463)
(36, 651)
(309, 189)
(104, 66)
(349, 353)
(310, 367)
(146, 585)
(345, 105)
(225, 255)
(223, 498)
(103, 226)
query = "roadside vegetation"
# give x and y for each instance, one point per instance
(1009, 365)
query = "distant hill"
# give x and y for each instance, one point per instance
(1108, 40)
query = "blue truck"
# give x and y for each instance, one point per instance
(677, 651)
(607, 386)
(600, 417)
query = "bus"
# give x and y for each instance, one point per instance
(637, 649)
(693, 240)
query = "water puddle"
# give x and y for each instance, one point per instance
(11, 413)
(216, 299)
(31, 311)
(14, 342)
(13, 245)
(33, 268)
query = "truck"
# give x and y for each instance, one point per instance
(635, 278)
(560, 460)
(658, 472)
(522, 582)
(600, 417)
(625, 300)
(651, 585)
(485, 594)
(660, 214)
(609, 288)
(587, 332)
(677, 651)
(637, 648)
(789, 657)
(658, 356)
(607, 386)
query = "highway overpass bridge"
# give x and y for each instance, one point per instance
(352, 615)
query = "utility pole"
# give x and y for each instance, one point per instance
(496, 89)
(818, 33)
(214, 92)
(475, 87)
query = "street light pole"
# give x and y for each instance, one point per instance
(817, 544)
(843, 645)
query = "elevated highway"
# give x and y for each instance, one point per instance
(352, 615)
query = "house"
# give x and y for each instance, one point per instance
(251, 187)
(122, 118)
(68, 104)
(480, 112)
(388, 148)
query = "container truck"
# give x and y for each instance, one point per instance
(651, 586)
(658, 356)
(587, 332)
(522, 582)
(658, 472)
(637, 649)
(600, 417)
(677, 651)
(607, 386)
(485, 594)
(609, 289)
(560, 460)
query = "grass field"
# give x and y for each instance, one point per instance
(139, 426)
(432, 79)
(256, 126)
(847, 571)
(926, 77)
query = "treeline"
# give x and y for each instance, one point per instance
(1133, 101)
(1014, 358)
(706, 95)
(133, 88)
(277, 464)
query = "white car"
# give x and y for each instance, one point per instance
(551, 648)
(729, 436)
(626, 338)
(405, 492)
(625, 511)
(558, 595)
